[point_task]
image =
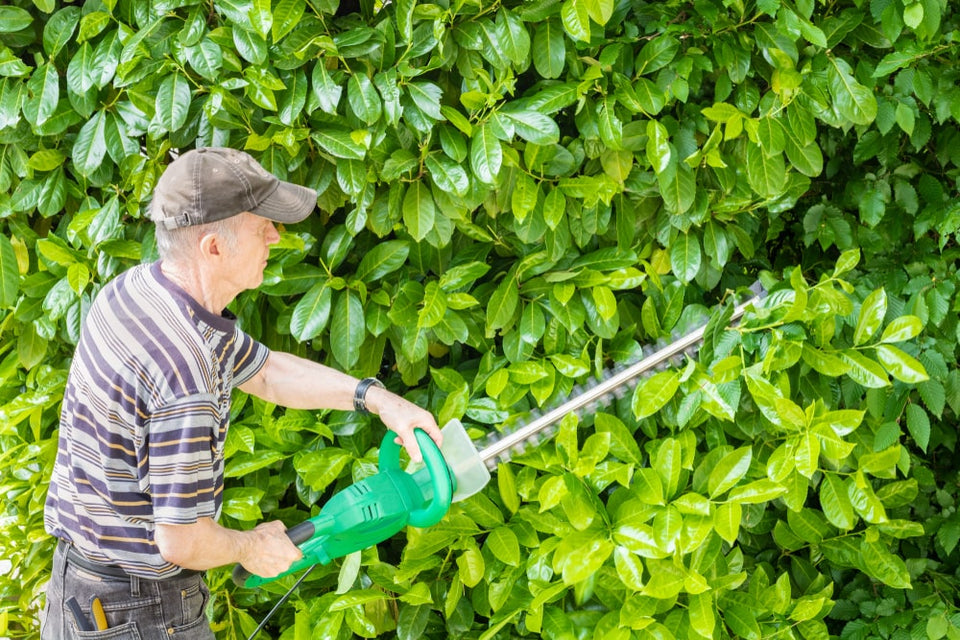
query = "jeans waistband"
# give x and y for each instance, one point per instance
(77, 559)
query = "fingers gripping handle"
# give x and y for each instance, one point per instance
(298, 534)
(440, 480)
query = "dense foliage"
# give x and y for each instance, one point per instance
(516, 196)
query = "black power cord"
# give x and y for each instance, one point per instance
(280, 602)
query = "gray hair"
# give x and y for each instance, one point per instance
(179, 245)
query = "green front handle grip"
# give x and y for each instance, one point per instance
(441, 481)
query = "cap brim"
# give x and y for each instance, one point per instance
(288, 203)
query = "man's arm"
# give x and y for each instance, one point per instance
(290, 381)
(265, 550)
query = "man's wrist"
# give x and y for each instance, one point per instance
(360, 394)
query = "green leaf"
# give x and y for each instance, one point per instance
(872, 312)
(328, 95)
(835, 502)
(549, 49)
(471, 566)
(363, 98)
(338, 144)
(502, 543)
(260, 17)
(43, 94)
(654, 393)
(865, 371)
(311, 313)
(59, 29)
(678, 186)
(90, 147)
(756, 492)
(901, 329)
(918, 423)
(251, 46)
(486, 154)
(901, 366)
(823, 362)
(656, 54)
(610, 125)
(352, 177)
(382, 259)
(685, 257)
(503, 304)
(884, 566)
(742, 621)
(286, 15)
(9, 274)
(434, 306)
(359, 597)
(576, 19)
(514, 38)
(766, 174)
(534, 126)
(447, 174)
(13, 19)
(729, 471)
(700, 609)
(727, 519)
(668, 464)
(172, 103)
(419, 210)
(658, 146)
(913, 14)
(348, 330)
(427, 96)
(244, 463)
(243, 503)
(853, 101)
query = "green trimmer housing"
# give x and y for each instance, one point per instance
(377, 507)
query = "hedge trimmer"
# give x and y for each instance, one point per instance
(379, 506)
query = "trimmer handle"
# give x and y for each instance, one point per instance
(431, 487)
(440, 480)
(298, 534)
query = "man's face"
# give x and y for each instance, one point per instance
(248, 257)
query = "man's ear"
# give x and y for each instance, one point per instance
(210, 245)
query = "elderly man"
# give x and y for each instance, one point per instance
(138, 481)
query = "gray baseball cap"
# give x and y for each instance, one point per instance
(213, 183)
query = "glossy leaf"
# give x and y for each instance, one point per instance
(655, 392)
(9, 274)
(311, 313)
(419, 211)
(347, 329)
(729, 471)
(901, 366)
(871, 316)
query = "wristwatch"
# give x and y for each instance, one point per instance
(360, 394)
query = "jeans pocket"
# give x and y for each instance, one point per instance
(193, 602)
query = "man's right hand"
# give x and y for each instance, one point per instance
(271, 552)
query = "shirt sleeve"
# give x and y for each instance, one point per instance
(249, 357)
(182, 467)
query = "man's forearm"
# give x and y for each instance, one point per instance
(205, 544)
(290, 381)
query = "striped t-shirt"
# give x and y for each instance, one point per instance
(144, 419)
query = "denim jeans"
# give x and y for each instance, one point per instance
(135, 608)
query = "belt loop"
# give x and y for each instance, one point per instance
(135, 586)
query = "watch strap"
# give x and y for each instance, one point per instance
(360, 394)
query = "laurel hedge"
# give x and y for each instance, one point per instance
(515, 197)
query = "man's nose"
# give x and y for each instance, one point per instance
(273, 236)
